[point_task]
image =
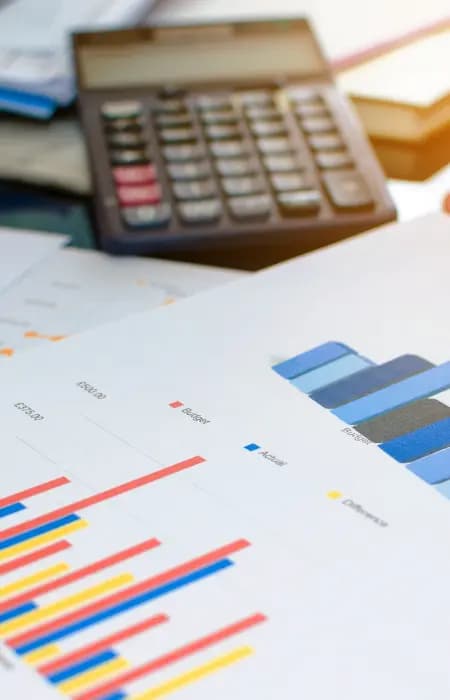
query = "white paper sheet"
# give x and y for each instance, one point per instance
(20, 250)
(335, 574)
(75, 290)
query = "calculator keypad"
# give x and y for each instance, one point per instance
(248, 155)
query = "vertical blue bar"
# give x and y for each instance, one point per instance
(417, 387)
(434, 468)
(9, 510)
(423, 441)
(343, 367)
(369, 380)
(83, 666)
(311, 359)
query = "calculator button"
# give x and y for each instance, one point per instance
(146, 216)
(272, 146)
(188, 171)
(262, 128)
(177, 135)
(347, 189)
(235, 166)
(134, 174)
(325, 142)
(126, 109)
(213, 102)
(304, 110)
(262, 113)
(171, 106)
(299, 203)
(179, 154)
(197, 189)
(165, 120)
(256, 98)
(138, 194)
(126, 139)
(287, 182)
(281, 164)
(199, 212)
(116, 125)
(221, 131)
(254, 207)
(329, 160)
(303, 94)
(228, 149)
(219, 117)
(239, 186)
(130, 157)
(317, 125)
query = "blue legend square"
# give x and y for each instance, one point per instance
(252, 447)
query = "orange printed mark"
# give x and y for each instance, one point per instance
(7, 352)
(52, 338)
(168, 300)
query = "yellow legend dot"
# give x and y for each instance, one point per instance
(334, 494)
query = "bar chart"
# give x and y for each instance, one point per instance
(71, 624)
(392, 404)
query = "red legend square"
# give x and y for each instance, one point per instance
(176, 404)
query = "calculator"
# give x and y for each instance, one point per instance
(223, 138)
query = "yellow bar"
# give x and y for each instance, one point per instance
(96, 674)
(64, 604)
(195, 675)
(23, 583)
(48, 652)
(36, 542)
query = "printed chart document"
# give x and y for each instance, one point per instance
(20, 250)
(74, 290)
(239, 495)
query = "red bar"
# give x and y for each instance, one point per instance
(99, 497)
(105, 643)
(79, 573)
(170, 658)
(34, 490)
(34, 556)
(129, 592)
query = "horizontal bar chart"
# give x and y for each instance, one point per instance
(369, 380)
(331, 372)
(419, 443)
(82, 666)
(36, 540)
(100, 497)
(403, 420)
(172, 657)
(33, 557)
(35, 532)
(390, 404)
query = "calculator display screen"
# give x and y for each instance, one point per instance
(261, 51)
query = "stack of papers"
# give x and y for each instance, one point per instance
(244, 494)
(35, 55)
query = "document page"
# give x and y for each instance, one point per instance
(75, 290)
(241, 495)
(20, 250)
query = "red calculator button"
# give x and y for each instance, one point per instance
(144, 194)
(134, 174)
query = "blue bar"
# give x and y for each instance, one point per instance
(311, 359)
(331, 372)
(434, 468)
(123, 607)
(120, 695)
(83, 666)
(421, 442)
(369, 380)
(15, 612)
(9, 510)
(444, 488)
(29, 534)
(417, 387)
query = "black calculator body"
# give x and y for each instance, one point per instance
(223, 142)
